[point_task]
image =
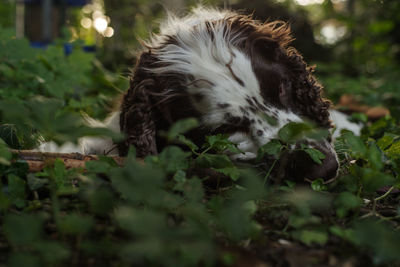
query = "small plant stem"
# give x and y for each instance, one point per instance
(269, 172)
(390, 218)
(205, 151)
(385, 195)
(285, 228)
(55, 205)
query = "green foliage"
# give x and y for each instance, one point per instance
(7, 13)
(43, 91)
(164, 211)
(159, 213)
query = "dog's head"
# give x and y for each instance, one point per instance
(231, 72)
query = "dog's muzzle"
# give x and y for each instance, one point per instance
(300, 166)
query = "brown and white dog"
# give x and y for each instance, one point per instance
(230, 72)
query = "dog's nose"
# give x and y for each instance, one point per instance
(303, 167)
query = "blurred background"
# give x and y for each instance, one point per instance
(355, 44)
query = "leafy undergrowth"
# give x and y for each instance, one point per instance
(190, 205)
(161, 212)
(43, 92)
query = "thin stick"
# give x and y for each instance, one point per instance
(38, 160)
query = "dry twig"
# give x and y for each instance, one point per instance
(38, 160)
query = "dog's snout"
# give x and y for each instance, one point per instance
(303, 167)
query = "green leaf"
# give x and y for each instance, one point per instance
(18, 259)
(220, 143)
(187, 142)
(173, 158)
(379, 238)
(4, 201)
(180, 179)
(356, 145)
(295, 131)
(269, 119)
(75, 224)
(271, 148)
(372, 180)
(61, 177)
(250, 206)
(97, 166)
(16, 190)
(231, 172)
(101, 201)
(310, 237)
(387, 140)
(5, 154)
(22, 229)
(137, 183)
(8, 133)
(52, 252)
(140, 222)
(193, 189)
(318, 185)
(375, 157)
(394, 150)
(35, 183)
(19, 168)
(181, 127)
(214, 161)
(346, 202)
(345, 234)
(315, 154)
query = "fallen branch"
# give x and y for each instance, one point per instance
(38, 160)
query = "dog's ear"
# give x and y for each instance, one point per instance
(136, 121)
(306, 91)
(137, 118)
(265, 48)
